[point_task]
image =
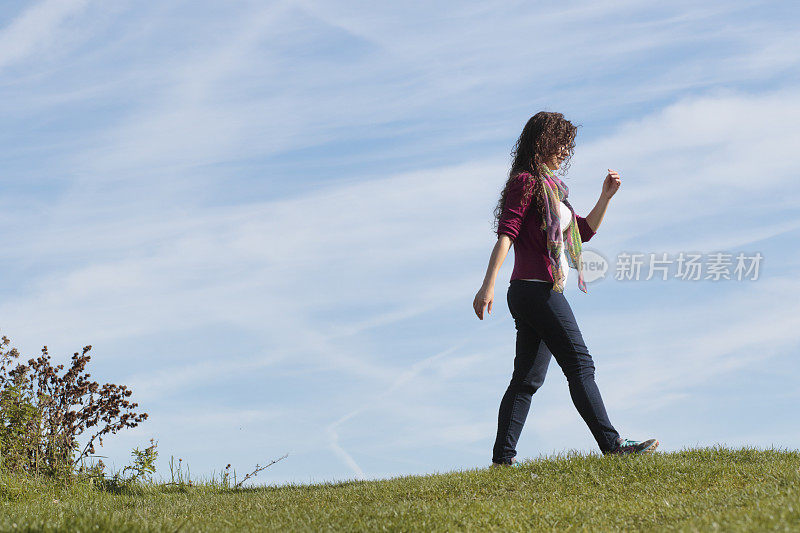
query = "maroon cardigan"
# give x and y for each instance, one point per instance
(523, 226)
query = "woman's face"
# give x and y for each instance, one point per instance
(560, 155)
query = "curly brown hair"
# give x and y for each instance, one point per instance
(543, 137)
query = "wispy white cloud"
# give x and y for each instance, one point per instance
(241, 96)
(377, 401)
(35, 29)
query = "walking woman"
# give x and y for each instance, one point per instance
(534, 214)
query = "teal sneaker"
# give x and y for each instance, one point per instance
(514, 463)
(628, 446)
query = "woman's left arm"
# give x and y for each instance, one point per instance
(610, 187)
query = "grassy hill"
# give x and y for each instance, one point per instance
(702, 489)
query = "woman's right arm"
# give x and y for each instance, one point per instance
(485, 297)
(508, 228)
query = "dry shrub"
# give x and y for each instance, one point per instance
(43, 412)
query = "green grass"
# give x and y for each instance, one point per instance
(702, 489)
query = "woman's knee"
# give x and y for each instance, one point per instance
(527, 386)
(580, 366)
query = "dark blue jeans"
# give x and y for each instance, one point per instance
(546, 326)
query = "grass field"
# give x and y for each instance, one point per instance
(701, 489)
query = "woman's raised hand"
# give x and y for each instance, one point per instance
(611, 184)
(483, 300)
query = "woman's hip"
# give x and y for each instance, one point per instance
(536, 301)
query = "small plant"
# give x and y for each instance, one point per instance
(93, 473)
(43, 413)
(225, 477)
(144, 462)
(258, 469)
(176, 473)
(141, 469)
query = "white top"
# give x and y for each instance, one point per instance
(566, 218)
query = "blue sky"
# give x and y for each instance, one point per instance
(270, 220)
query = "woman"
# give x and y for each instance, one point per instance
(534, 214)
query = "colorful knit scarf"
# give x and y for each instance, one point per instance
(556, 191)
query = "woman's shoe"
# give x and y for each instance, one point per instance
(514, 462)
(628, 446)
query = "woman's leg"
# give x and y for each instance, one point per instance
(530, 368)
(548, 313)
(559, 330)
